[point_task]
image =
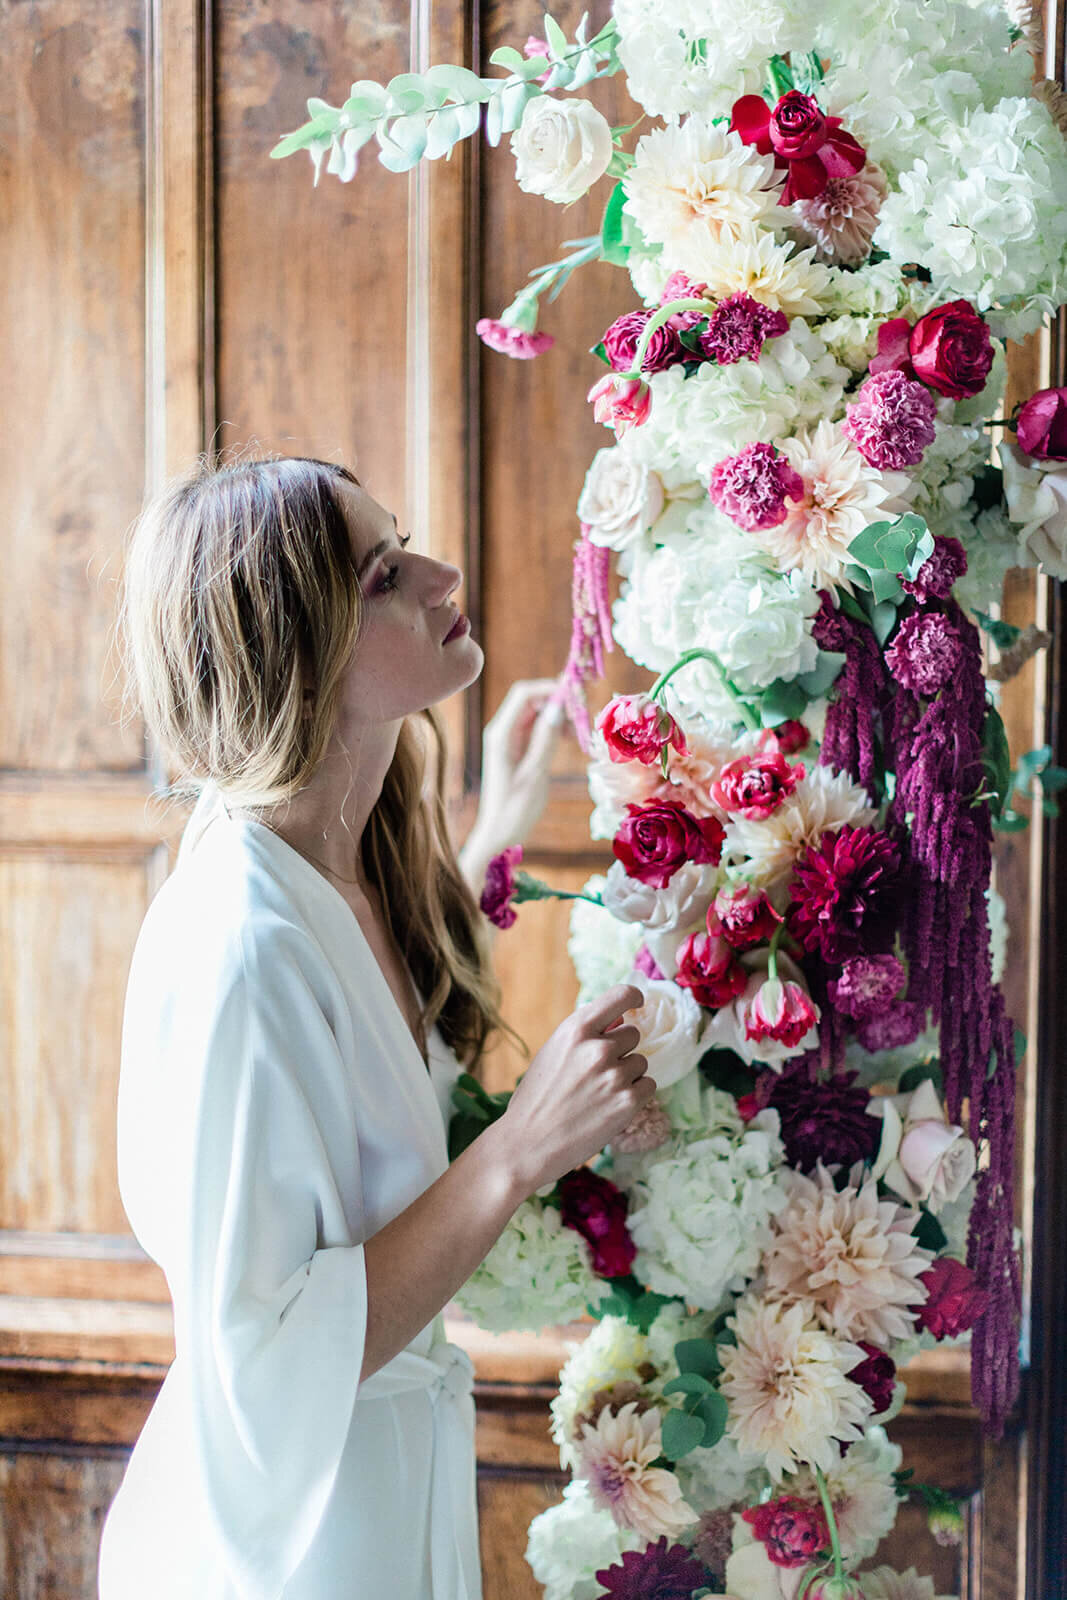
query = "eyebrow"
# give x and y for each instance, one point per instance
(372, 554)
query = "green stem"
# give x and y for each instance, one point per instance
(661, 315)
(780, 76)
(772, 954)
(744, 710)
(828, 1507)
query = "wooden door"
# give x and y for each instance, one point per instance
(169, 290)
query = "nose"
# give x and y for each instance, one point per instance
(444, 579)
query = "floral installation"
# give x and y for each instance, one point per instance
(810, 521)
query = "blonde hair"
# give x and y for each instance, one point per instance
(239, 593)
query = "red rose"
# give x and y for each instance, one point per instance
(951, 350)
(791, 1530)
(954, 1298)
(708, 966)
(622, 338)
(1042, 425)
(637, 728)
(802, 138)
(658, 838)
(746, 916)
(596, 1209)
(755, 786)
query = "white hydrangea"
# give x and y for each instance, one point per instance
(700, 1210)
(992, 549)
(998, 931)
(985, 208)
(537, 1274)
(877, 289)
(720, 1477)
(648, 274)
(601, 947)
(696, 422)
(610, 1354)
(862, 1491)
(687, 55)
(570, 1543)
(943, 482)
(672, 1323)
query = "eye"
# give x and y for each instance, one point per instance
(387, 580)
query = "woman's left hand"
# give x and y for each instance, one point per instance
(517, 748)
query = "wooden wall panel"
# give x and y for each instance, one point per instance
(72, 351)
(52, 1509)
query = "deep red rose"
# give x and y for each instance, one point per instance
(801, 137)
(876, 1375)
(746, 916)
(1041, 428)
(954, 1298)
(622, 338)
(755, 786)
(709, 968)
(658, 838)
(791, 1530)
(596, 1209)
(951, 350)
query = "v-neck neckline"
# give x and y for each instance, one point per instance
(250, 822)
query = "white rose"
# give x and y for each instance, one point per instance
(561, 147)
(620, 500)
(670, 1022)
(1037, 499)
(923, 1157)
(685, 899)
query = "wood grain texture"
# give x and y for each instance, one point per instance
(52, 1510)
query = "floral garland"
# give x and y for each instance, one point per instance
(802, 504)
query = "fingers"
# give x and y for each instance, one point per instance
(522, 696)
(624, 1038)
(602, 1013)
(635, 1068)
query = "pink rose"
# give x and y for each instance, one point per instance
(954, 1298)
(951, 350)
(656, 839)
(938, 1159)
(638, 728)
(755, 786)
(745, 915)
(780, 1011)
(509, 341)
(500, 886)
(596, 1209)
(794, 1531)
(709, 968)
(1041, 428)
(538, 47)
(620, 342)
(620, 403)
(893, 353)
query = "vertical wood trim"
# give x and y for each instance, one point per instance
(179, 276)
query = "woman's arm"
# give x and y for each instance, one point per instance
(580, 1090)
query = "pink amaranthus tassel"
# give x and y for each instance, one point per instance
(590, 631)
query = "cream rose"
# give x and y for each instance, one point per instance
(685, 899)
(1037, 499)
(671, 1023)
(923, 1157)
(561, 147)
(620, 500)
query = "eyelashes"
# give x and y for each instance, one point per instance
(388, 579)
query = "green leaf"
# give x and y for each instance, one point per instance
(928, 1232)
(460, 83)
(407, 92)
(823, 675)
(884, 586)
(494, 121)
(724, 1069)
(1031, 763)
(366, 99)
(700, 1356)
(611, 243)
(630, 1299)
(313, 132)
(508, 56)
(921, 1072)
(782, 701)
(1053, 779)
(1010, 822)
(687, 1383)
(1050, 807)
(513, 102)
(891, 546)
(681, 1433)
(714, 1413)
(1019, 1044)
(598, 350)
(534, 66)
(1003, 634)
(851, 606)
(555, 36)
(442, 133)
(996, 760)
(883, 620)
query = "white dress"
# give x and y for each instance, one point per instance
(273, 1113)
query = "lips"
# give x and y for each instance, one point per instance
(461, 625)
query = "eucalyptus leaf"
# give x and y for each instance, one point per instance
(584, 69)
(714, 1413)
(823, 675)
(782, 701)
(681, 1433)
(687, 1383)
(319, 130)
(534, 66)
(442, 133)
(407, 92)
(884, 585)
(555, 36)
(561, 76)
(1053, 779)
(508, 56)
(699, 1356)
(409, 134)
(883, 620)
(611, 246)
(514, 99)
(494, 122)
(366, 99)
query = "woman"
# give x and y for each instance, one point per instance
(304, 990)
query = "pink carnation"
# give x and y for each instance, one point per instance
(620, 403)
(738, 327)
(892, 421)
(943, 567)
(867, 987)
(925, 653)
(753, 487)
(638, 728)
(509, 341)
(755, 786)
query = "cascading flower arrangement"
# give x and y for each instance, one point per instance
(801, 502)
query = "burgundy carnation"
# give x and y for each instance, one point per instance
(755, 786)
(622, 338)
(658, 1572)
(753, 486)
(943, 567)
(823, 1120)
(500, 886)
(596, 1209)
(791, 1530)
(738, 327)
(845, 894)
(891, 421)
(658, 838)
(1041, 426)
(709, 968)
(801, 137)
(876, 1375)
(954, 1299)
(900, 1025)
(867, 986)
(925, 652)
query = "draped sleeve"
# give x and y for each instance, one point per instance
(241, 1173)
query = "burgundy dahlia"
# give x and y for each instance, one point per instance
(596, 1209)
(823, 1120)
(943, 567)
(867, 987)
(891, 420)
(845, 892)
(661, 1571)
(753, 487)
(925, 652)
(876, 1375)
(738, 327)
(622, 338)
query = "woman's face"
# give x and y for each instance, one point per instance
(415, 647)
